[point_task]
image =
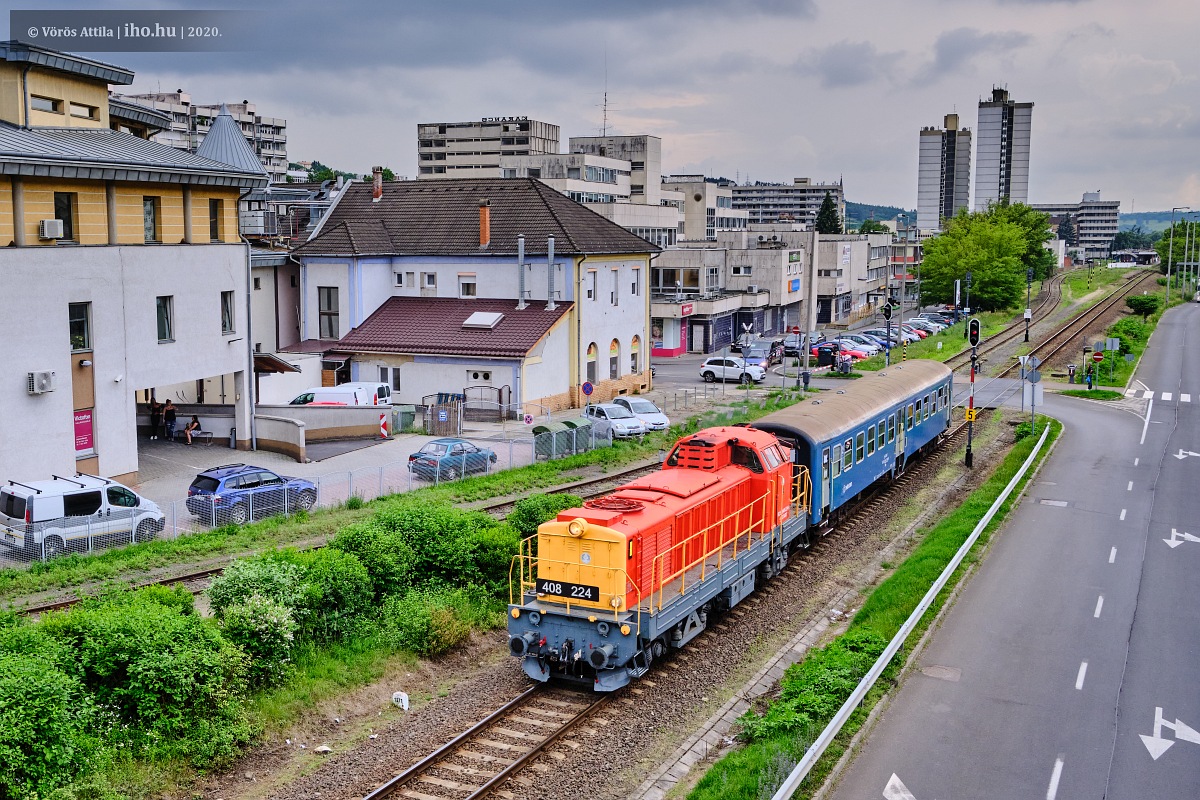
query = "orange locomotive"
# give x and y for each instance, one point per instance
(607, 588)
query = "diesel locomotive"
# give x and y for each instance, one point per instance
(603, 590)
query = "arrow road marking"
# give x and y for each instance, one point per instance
(1179, 537)
(1157, 745)
(1182, 454)
(896, 790)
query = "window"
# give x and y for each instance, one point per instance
(743, 456)
(591, 285)
(634, 348)
(467, 286)
(636, 286)
(616, 277)
(535, 172)
(150, 208)
(166, 318)
(45, 104)
(847, 455)
(257, 284)
(860, 451)
(430, 280)
(837, 460)
(882, 438)
(81, 504)
(79, 316)
(295, 281)
(871, 440)
(504, 173)
(327, 305)
(64, 212)
(227, 312)
(910, 417)
(741, 270)
(216, 214)
(925, 408)
(84, 112)
(592, 354)
(120, 497)
(892, 428)
(399, 278)
(614, 360)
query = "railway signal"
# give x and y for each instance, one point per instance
(973, 338)
(973, 334)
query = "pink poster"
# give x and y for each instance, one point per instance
(83, 430)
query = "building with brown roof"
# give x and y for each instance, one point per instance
(500, 285)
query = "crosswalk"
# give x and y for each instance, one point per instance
(1165, 397)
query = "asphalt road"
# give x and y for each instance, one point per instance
(1070, 665)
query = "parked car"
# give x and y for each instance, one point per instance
(912, 329)
(611, 420)
(449, 459)
(48, 518)
(861, 342)
(650, 415)
(938, 316)
(345, 395)
(763, 353)
(845, 348)
(731, 369)
(237, 493)
(793, 343)
(881, 337)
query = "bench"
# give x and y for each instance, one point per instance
(202, 436)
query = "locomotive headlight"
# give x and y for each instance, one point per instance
(577, 526)
(516, 612)
(616, 602)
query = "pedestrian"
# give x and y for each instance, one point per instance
(155, 417)
(1089, 379)
(190, 428)
(169, 420)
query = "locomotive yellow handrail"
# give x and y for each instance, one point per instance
(802, 481)
(528, 564)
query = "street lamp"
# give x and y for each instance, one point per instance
(1028, 290)
(1171, 255)
(1188, 243)
(904, 266)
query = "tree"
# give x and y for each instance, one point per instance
(871, 226)
(1136, 238)
(828, 220)
(1144, 304)
(1179, 243)
(1066, 231)
(991, 249)
(1035, 225)
(388, 175)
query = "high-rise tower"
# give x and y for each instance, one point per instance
(1002, 152)
(943, 173)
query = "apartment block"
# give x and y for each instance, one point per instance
(798, 201)
(473, 149)
(1095, 221)
(1002, 150)
(943, 173)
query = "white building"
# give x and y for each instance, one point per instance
(1096, 222)
(707, 206)
(795, 202)
(1002, 150)
(943, 173)
(473, 149)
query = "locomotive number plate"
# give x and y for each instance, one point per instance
(571, 591)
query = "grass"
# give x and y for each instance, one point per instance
(1094, 394)
(951, 340)
(78, 570)
(1078, 284)
(745, 772)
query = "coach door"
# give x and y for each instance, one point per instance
(826, 483)
(900, 420)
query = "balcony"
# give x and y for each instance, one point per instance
(671, 306)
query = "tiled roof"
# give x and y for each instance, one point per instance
(368, 238)
(434, 326)
(226, 144)
(441, 217)
(102, 153)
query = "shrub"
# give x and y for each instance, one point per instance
(527, 514)
(1022, 430)
(265, 630)
(423, 621)
(385, 555)
(43, 719)
(272, 577)
(335, 589)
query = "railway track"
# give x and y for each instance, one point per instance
(586, 488)
(1047, 303)
(480, 760)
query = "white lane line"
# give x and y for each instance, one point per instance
(1112, 555)
(1166, 395)
(1146, 424)
(1135, 461)
(1122, 515)
(1079, 677)
(1052, 791)
(1099, 605)
(1185, 398)
(1129, 488)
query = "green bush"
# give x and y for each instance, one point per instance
(527, 514)
(424, 621)
(386, 556)
(335, 590)
(44, 716)
(266, 631)
(1022, 430)
(273, 576)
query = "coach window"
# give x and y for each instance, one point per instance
(891, 427)
(860, 448)
(837, 460)
(882, 440)
(925, 408)
(871, 440)
(910, 417)
(918, 410)
(847, 455)
(743, 456)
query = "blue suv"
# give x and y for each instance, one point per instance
(237, 493)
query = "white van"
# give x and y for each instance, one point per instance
(345, 394)
(48, 518)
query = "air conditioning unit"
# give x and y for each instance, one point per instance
(50, 229)
(39, 382)
(752, 288)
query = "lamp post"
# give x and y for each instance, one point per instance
(904, 266)
(1184, 272)
(1171, 255)
(1028, 291)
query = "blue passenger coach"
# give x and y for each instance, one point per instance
(852, 437)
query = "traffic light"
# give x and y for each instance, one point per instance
(887, 310)
(973, 332)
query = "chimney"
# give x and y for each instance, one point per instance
(485, 222)
(376, 184)
(550, 306)
(520, 272)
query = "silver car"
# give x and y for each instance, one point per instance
(612, 420)
(650, 415)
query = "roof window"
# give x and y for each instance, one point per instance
(483, 320)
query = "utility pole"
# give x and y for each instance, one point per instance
(1171, 255)
(1028, 291)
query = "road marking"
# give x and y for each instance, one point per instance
(1135, 461)
(896, 790)
(1166, 395)
(1146, 424)
(1112, 555)
(1082, 671)
(1157, 745)
(1099, 605)
(1056, 503)
(1147, 395)
(1182, 454)
(1129, 488)
(1122, 515)
(1185, 398)
(1179, 537)
(1130, 392)
(1052, 791)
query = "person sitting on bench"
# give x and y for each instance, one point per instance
(190, 428)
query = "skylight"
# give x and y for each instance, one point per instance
(485, 320)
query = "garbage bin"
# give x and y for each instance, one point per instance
(405, 417)
(844, 366)
(582, 427)
(826, 353)
(551, 440)
(233, 438)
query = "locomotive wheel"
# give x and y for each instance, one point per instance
(657, 649)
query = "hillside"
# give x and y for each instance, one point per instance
(857, 212)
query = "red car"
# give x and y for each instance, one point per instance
(844, 347)
(913, 329)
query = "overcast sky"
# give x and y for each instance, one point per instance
(758, 89)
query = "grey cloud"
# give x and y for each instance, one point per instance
(955, 49)
(846, 64)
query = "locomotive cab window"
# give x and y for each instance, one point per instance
(871, 440)
(743, 456)
(837, 460)
(673, 459)
(860, 448)
(771, 454)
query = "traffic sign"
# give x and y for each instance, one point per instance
(795, 329)
(1034, 376)
(529, 419)
(971, 412)
(443, 416)
(1034, 362)
(1098, 357)
(588, 388)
